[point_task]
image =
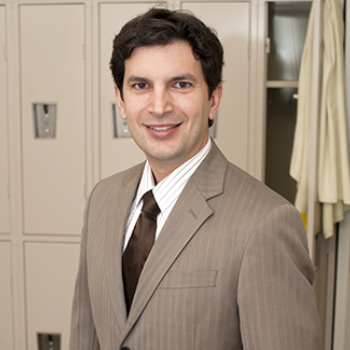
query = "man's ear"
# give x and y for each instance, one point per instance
(215, 101)
(120, 102)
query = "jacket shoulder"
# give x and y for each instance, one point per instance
(112, 184)
(252, 189)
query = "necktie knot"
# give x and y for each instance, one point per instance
(150, 205)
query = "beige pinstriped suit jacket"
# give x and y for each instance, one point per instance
(230, 270)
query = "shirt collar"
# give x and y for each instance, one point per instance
(186, 170)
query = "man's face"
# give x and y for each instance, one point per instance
(165, 102)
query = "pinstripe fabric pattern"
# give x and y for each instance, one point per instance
(233, 273)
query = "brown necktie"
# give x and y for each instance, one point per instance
(139, 246)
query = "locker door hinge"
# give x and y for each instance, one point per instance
(267, 45)
(249, 51)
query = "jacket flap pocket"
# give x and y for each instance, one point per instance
(189, 279)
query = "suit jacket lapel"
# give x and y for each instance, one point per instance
(189, 213)
(119, 204)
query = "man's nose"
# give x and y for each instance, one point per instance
(161, 102)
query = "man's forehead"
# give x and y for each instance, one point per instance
(181, 46)
(175, 59)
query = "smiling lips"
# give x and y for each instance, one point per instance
(163, 128)
(162, 131)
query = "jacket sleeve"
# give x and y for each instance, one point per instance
(83, 333)
(276, 300)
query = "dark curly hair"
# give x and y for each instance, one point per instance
(160, 26)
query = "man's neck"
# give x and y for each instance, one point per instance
(161, 169)
(159, 173)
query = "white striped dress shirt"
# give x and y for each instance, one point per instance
(165, 193)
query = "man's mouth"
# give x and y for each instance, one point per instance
(163, 128)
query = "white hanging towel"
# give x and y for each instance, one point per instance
(333, 185)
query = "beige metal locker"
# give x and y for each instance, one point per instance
(6, 319)
(50, 272)
(116, 153)
(52, 76)
(232, 23)
(4, 161)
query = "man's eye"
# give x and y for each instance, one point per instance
(140, 86)
(182, 85)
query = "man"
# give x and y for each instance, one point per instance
(229, 267)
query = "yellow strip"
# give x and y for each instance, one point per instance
(304, 217)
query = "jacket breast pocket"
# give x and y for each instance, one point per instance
(189, 279)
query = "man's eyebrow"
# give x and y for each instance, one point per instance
(140, 79)
(136, 79)
(186, 76)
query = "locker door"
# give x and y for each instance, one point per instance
(4, 178)
(231, 20)
(50, 272)
(6, 340)
(52, 74)
(116, 153)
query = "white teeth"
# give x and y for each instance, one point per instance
(162, 128)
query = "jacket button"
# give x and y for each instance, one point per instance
(125, 348)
